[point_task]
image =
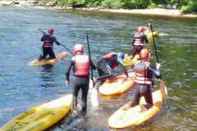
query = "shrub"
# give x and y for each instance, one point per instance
(190, 7)
(112, 4)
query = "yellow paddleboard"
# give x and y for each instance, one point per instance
(127, 117)
(41, 117)
(59, 57)
(116, 85)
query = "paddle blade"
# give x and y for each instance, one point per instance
(163, 88)
(93, 95)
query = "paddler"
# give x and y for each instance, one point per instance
(144, 79)
(109, 62)
(80, 65)
(139, 40)
(47, 47)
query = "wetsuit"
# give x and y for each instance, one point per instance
(139, 39)
(80, 66)
(47, 46)
(144, 82)
(107, 64)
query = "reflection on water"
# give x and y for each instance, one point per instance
(47, 76)
(23, 86)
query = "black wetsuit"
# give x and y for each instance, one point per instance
(47, 46)
(106, 67)
(143, 89)
(79, 83)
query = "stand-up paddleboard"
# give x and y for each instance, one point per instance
(117, 85)
(41, 117)
(43, 62)
(133, 116)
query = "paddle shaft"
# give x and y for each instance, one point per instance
(89, 53)
(154, 43)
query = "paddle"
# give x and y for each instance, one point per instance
(162, 83)
(67, 49)
(154, 43)
(94, 93)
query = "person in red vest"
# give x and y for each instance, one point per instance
(139, 40)
(144, 78)
(48, 39)
(108, 65)
(80, 65)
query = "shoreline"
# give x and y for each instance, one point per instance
(157, 12)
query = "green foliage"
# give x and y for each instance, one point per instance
(112, 3)
(184, 5)
(70, 2)
(191, 6)
(135, 4)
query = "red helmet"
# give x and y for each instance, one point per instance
(50, 30)
(78, 48)
(141, 29)
(144, 54)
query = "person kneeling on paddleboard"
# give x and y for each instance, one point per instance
(139, 39)
(107, 65)
(80, 65)
(47, 47)
(144, 79)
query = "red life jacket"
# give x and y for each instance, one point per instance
(142, 74)
(82, 65)
(109, 57)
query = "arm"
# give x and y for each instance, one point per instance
(156, 71)
(93, 66)
(56, 42)
(145, 38)
(43, 37)
(133, 40)
(67, 74)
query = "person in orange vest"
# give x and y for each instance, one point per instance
(48, 39)
(108, 63)
(139, 40)
(144, 78)
(80, 65)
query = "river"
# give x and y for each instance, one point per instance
(23, 86)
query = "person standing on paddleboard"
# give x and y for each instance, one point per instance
(48, 39)
(144, 78)
(80, 65)
(139, 40)
(108, 63)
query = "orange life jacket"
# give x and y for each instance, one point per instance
(142, 74)
(82, 65)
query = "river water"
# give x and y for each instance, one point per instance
(23, 86)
